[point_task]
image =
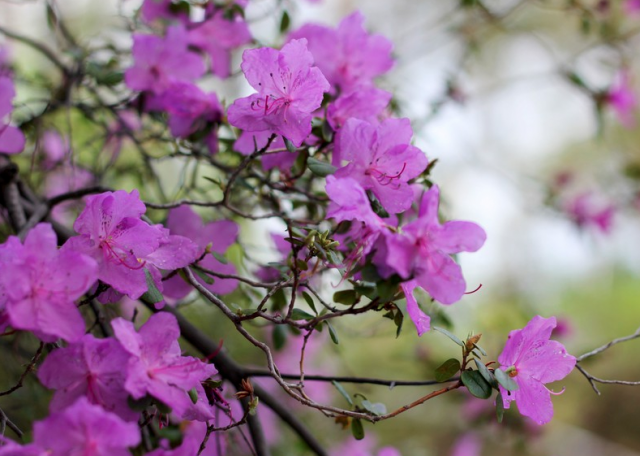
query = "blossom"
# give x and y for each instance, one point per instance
(623, 100)
(54, 147)
(349, 202)
(217, 36)
(366, 104)
(585, 210)
(112, 232)
(41, 284)
(159, 62)
(11, 138)
(218, 235)
(381, 159)
(467, 445)
(156, 366)
(90, 368)
(194, 435)
(532, 360)
(348, 56)
(632, 6)
(289, 90)
(153, 10)
(421, 250)
(84, 429)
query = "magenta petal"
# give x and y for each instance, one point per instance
(442, 279)
(421, 320)
(458, 236)
(11, 140)
(533, 399)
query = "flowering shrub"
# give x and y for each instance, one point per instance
(318, 150)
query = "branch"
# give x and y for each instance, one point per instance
(598, 350)
(48, 53)
(29, 368)
(6, 422)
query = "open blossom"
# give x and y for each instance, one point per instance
(91, 368)
(422, 249)
(623, 100)
(585, 210)
(157, 367)
(532, 360)
(111, 231)
(217, 36)
(289, 89)
(42, 283)
(381, 159)
(366, 104)
(158, 62)
(219, 235)
(11, 138)
(348, 56)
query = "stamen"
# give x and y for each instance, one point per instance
(471, 292)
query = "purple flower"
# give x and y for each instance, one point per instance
(85, 429)
(159, 62)
(623, 100)
(467, 445)
(157, 368)
(289, 90)
(11, 139)
(381, 159)
(217, 36)
(632, 6)
(348, 56)
(421, 250)
(92, 368)
(366, 104)
(41, 284)
(161, 10)
(111, 231)
(586, 210)
(349, 202)
(219, 235)
(532, 360)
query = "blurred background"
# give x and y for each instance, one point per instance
(508, 97)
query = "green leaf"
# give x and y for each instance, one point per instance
(289, 145)
(451, 336)
(507, 382)
(499, 408)
(327, 131)
(387, 289)
(398, 319)
(377, 408)
(376, 206)
(285, 22)
(204, 276)
(279, 337)
(333, 334)
(346, 297)
(343, 391)
(309, 301)
(476, 384)
(357, 429)
(447, 370)
(219, 257)
(152, 294)
(320, 168)
(299, 314)
(486, 374)
(193, 395)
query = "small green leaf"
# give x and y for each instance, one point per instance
(299, 314)
(357, 429)
(387, 289)
(377, 408)
(193, 395)
(449, 335)
(309, 301)
(507, 382)
(333, 334)
(279, 337)
(219, 257)
(398, 319)
(376, 206)
(289, 145)
(447, 370)
(152, 294)
(476, 384)
(253, 405)
(484, 353)
(499, 408)
(346, 297)
(343, 391)
(320, 168)
(486, 374)
(204, 276)
(327, 131)
(285, 22)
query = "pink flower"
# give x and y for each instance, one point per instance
(349, 202)
(11, 138)
(366, 104)
(467, 445)
(622, 100)
(220, 235)
(381, 159)
(159, 62)
(55, 148)
(586, 210)
(92, 368)
(632, 6)
(153, 10)
(532, 360)
(41, 284)
(289, 90)
(157, 368)
(85, 429)
(217, 36)
(348, 56)
(421, 251)
(111, 231)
